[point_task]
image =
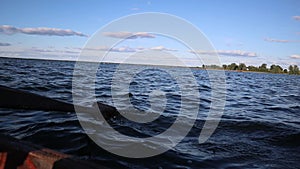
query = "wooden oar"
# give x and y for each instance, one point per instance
(20, 154)
(18, 99)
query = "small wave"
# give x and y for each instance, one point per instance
(285, 139)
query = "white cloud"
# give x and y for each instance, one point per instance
(7, 29)
(162, 48)
(295, 56)
(296, 18)
(228, 53)
(128, 35)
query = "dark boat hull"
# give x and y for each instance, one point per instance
(18, 99)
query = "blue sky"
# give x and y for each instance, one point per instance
(252, 32)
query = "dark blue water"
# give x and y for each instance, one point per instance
(260, 127)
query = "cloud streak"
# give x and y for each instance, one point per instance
(227, 53)
(135, 9)
(295, 56)
(53, 51)
(122, 49)
(128, 49)
(9, 30)
(115, 49)
(128, 35)
(5, 44)
(297, 18)
(281, 40)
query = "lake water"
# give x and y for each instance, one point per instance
(260, 126)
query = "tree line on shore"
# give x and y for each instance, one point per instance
(292, 69)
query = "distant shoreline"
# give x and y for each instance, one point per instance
(247, 71)
(200, 68)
